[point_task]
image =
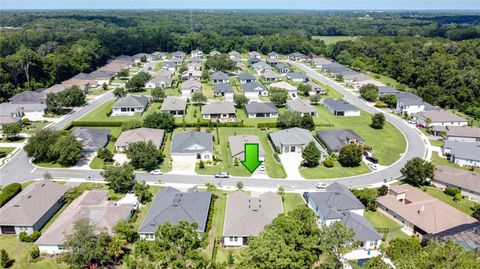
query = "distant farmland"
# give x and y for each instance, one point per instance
(334, 39)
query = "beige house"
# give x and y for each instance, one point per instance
(237, 146)
(467, 181)
(137, 135)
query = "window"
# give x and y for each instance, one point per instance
(235, 238)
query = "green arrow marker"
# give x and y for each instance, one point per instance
(251, 161)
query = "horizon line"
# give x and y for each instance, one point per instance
(239, 9)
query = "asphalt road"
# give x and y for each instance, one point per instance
(19, 169)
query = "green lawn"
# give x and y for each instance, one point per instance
(20, 252)
(50, 165)
(242, 115)
(436, 142)
(292, 201)
(337, 171)
(222, 153)
(380, 221)
(33, 126)
(334, 39)
(192, 115)
(207, 90)
(387, 80)
(7, 150)
(100, 113)
(439, 161)
(99, 90)
(158, 67)
(465, 205)
(166, 165)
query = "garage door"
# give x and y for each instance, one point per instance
(8, 229)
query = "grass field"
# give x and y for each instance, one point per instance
(100, 113)
(222, 153)
(322, 172)
(292, 201)
(465, 205)
(380, 221)
(334, 39)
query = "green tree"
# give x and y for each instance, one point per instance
(67, 150)
(367, 197)
(240, 100)
(315, 99)
(144, 155)
(124, 72)
(390, 100)
(198, 98)
(289, 119)
(219, 63)
(162, 120)
(307, 122)
(72, 97)
(383, 190)
(278, 96)
(131, 124)
(336, 240)
(239, 185)
(476, 212)
(375, 263)
(350, 155)
(5, 260)
(38, 145)
(119, 92)
(418, 170)
(105, 155)
(378, 121)
(120, 178)
(11, 130)
(126, 230)
(142, 191)
(369, 92)
(304, 89)
(311, 154)
(158, 94)
(137, 82)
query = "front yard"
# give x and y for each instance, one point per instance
(100, 114)
(322, 172)
(440, 161)
(33, 126)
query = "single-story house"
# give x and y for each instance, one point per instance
(297, 77)
(336, 139)
(194, 66)
(254, 54)
(234, 54)
(283, 68)
(261, 66)
(247, 216)
(170, 66)
(386, 90)
(340, 107)
(337, 203)
(222, 111)
(11, 113)
(139, 135)
(101, 77)
(195, 60)
(316, 89)
(192, 75)
(129, 105)
(253, 60)
(270, 76)
(219, 77)
(261, 110)
(319, 62)
(176, 106)
(159, 80)
(301, 106)
(246, 78)
(148, 67)
(439, 118)
(418, 212)
(190, 86)
(33, 104)
(92, 139)
(294, 140)
(467, 181)
(32, 208)
(252, 89)
(223, 89)
(296, 56)
(82, 80)
(463, 153)
(138, 57)
(179, 55)
(236, 59)
(55, 88)
(355, 78)
(177, 61)
(240, 66)
(273, 62)
(292, 90)
(237, 146)
(197, 53)
(273, 55)
(159, 55)
(92, 205)
(463, 133)
(172, 206)
(197, 145)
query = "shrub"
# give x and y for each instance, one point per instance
(458, 197)
(5, 260)
(266, 125)
(380, 104)
(29, 238)
(9, 192)
(96, 123)
(328, 163)
(451, 191)
(35, 253)
(201, 164)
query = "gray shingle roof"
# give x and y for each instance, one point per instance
(27, 207)
(187, 85)
(171, 205)
(248, 216)
(273, 53)
(337, 68)
(29, 97)
(100, 74)
(335, 139)
(339, 105)
(140, 134)
(269, 74)
(463, 131)
(92, 139)
(237, 145)
(293, 137)
(260, 107)
(297, 75)
(195, 60)
(437, 116)
(218, 107)
(253, 87)
(222, 87)
(384, 90)
(363, 229)
(219, 75)
(464, 179)
(172, 103)
(334, 200)
(178, 54)
(182, 142)
(261, 65)
(464, 150)
(131, 101)
(300, 106)
(246, 76)
(282, 66)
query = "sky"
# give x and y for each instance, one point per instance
(245, 4)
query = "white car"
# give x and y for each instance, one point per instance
(322, 186)
(156, 172)
(262, 167)
(372, 165)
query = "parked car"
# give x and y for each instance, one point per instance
(222, 175)
(372, 159)
(262, 167)
(322, 186)
(367, 153)
(372, 165)
(156, 172)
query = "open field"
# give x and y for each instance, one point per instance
(334, 39)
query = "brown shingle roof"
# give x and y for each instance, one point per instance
(461, 178)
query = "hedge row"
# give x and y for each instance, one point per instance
(267, 125)
(9, 192)
(96, 123)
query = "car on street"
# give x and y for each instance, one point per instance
(222, 175)
(322, 186)
(156, 172)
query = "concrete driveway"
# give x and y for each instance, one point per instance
(183, 165)
(291, 161)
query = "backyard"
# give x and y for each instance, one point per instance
(440, 161)
(381, 222)
(465, 205)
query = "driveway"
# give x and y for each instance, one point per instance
(183, 165)
(291, 161)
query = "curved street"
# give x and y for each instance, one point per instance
(19, 168)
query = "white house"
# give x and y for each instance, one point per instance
(193, 145)
(439, 118)
(463, 153)
(129, 105)
(340, 107)
(197, 53)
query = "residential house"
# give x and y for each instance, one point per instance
(439, 118)
(261, 110)
(197, 53)
(55, 88)
(270, 76)
(82, 80)
(219, 77)
(92, 139)
(297, 77)
(190, 86)
(273, 62)
(173, 206)
(467, 236)
(337, 203)
(214, 53)
(170, 66)
(159, 55)
(319, 62)
(240, 66)
(161, 79)
(336, 68)
(462, 153)
(253, 60)
(196, 60)
(194, 67)
(177, 61)
(409, 103)
(316, 89)
(302, 106)
(246, 216)
(148, 67)
(261, 66)
(234, 54)
(292, 90)
(197, 145)
(467, 182)
(386, 90)
(273, 55)
(418, 212)
(129, 105)
(254, 89)
(32, 208)
(237, 146)
(246, 78)
(11, 113)
(283, 68)
(101, 77)
(355, 78)
(191, 74)
(146, 57)
(236, 59)
(222, 111)
(179, 55)
(296, 56)
(294, 140)
(254, 54)
(223, 89)
(336, 139)
(463, 133)
(92, 205)
(176, 106)
(139, 135)
(33, 104)
(340, 107)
